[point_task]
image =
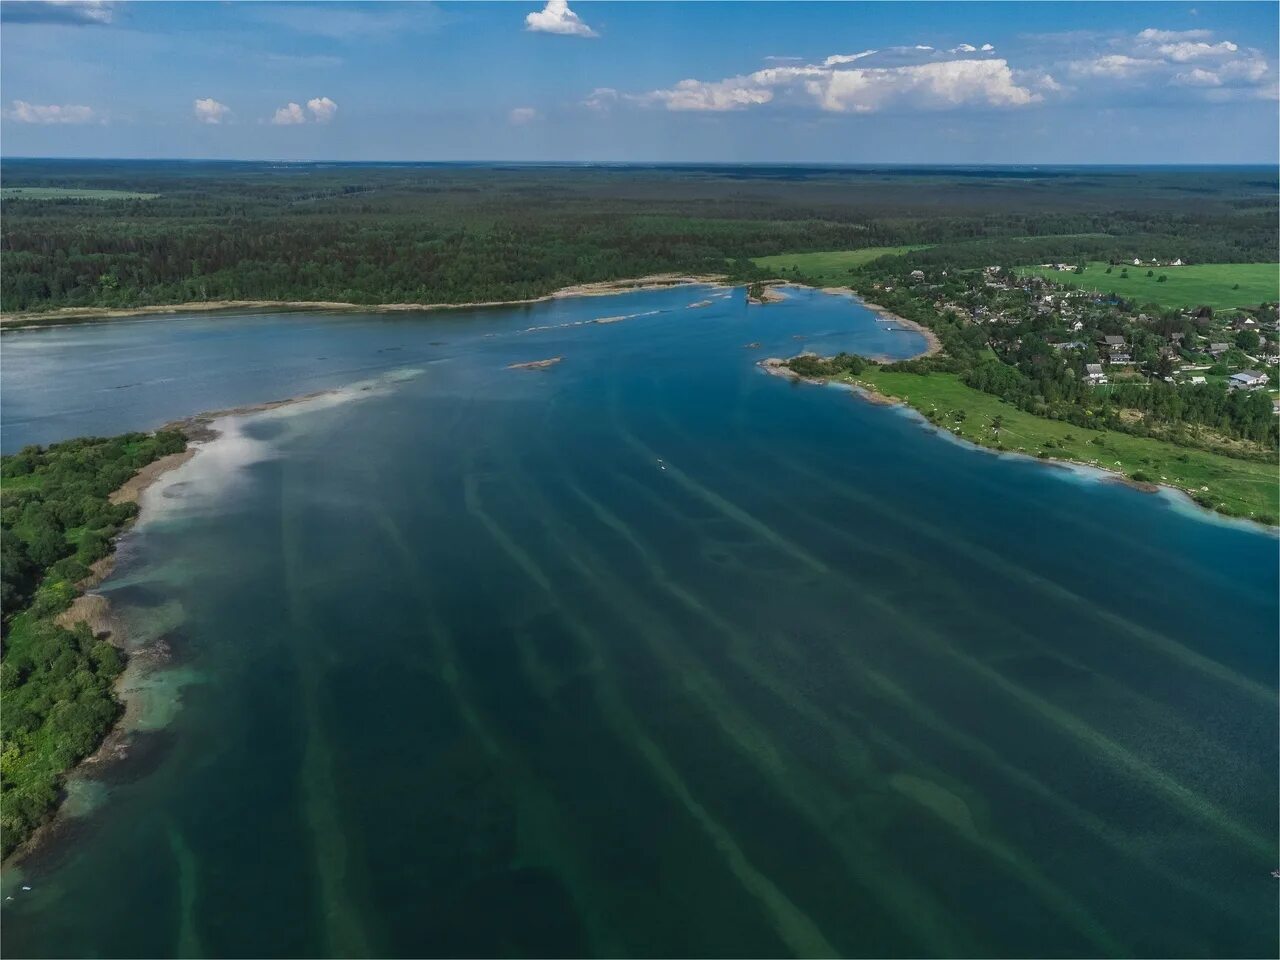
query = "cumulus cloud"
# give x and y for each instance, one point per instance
(1188, 59)
(734, 93)
(556, 17)
(24, 112)
(91, 13)
(1152, 35)
(1198, 78)
(848, 83)
(1182, 63)
(289, 115)
(322, 109)
(1184, 50)
(936, 86)
(522, 115)
(209, 110)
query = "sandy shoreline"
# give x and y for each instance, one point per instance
(95, 610)
(604, 288)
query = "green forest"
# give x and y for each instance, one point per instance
(56, 520)
(439, 233)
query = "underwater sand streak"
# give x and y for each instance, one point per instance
(796, 930)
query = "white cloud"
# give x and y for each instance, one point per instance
(522, 115)
(602, 99)
(1183, 51)
(289, 115)
(1117, 66)
(835, 86)
(556, 17)
(72, 12)
(1182, 63)
(1157, 60)
(929, 86)
(322, 109)
(209, 110)
(734, 93)
(1198, 78)
(1152, 35)
(840, 58)
(24, 112)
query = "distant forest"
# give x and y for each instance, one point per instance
(457, 233)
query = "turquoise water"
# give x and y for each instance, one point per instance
(643, 654)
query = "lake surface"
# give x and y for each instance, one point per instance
(646, 653)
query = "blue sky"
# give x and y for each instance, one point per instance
(772, 82)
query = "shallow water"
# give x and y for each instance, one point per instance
(645, 653)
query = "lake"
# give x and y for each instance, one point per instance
(644, 653)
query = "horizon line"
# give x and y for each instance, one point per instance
(623, 163)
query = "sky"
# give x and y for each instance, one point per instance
(546, 80)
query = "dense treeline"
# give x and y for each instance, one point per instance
(404, 233)
(56, 519)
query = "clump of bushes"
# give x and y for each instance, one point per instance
(56, 519)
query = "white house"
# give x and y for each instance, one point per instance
(1247, 380)
(1093, 374)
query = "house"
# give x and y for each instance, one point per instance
(1176, 339)
(1110, 344)
(1068, 345)
(1247, 380)
(1197, 381)
(1216, 350)
(1177, 263)
(1077, 326)
(917, 274)
(1114, 349)
(1093, 374)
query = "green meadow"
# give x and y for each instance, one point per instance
(1243, 488)
(829, 266)
(1217, 285)
(70, 193)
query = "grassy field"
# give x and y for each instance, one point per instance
(829, 266)
(60, 193)
(1238, 487)
(1217, 285)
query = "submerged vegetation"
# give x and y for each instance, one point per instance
(56, 521)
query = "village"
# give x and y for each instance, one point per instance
(1106, 340)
